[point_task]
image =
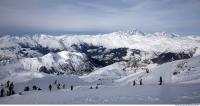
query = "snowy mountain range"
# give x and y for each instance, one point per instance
(109, 61)
(82, 54)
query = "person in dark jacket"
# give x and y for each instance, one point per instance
(8, 84)
(50, 87)
(141, 82)
(7, 93)
(2, 92)
(97, 87)
(58, 86)
(160, 81)
(13, 92)
(147, 70)
(26, 88)
(55, 82)
(72, 87)
(11, 87)
(134, 82)
(39, 89)
(63, 86)
(10, 90)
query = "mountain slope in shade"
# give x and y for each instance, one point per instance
(176, 72)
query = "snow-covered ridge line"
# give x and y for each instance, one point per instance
(157, 42)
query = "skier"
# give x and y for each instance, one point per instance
(63, 86)
(11, 84)
(91, 87)
(141, 82)
(10, 90)
(7, 93)
(2, 92)
(26, 88)
(58, 86)
(11, 87)
(147, 70)
(134, 82)
(8, 84)
(13, 92)
(55, 82)
(160, 80)
(34, 87)
(72, 87)
(97, 87)
(50, 87)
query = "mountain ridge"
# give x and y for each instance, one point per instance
(101, 50)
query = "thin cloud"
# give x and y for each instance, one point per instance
(32, 16)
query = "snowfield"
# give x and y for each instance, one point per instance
(115, 86)
(146, 94)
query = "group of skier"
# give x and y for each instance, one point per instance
(58, 86)
(8, 89)
(141, 83)
(10, 86)
(95, 87)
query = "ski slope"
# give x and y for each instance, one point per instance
(188, 70)
(116, 87)
(146, 94)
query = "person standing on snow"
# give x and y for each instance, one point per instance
(2, 92)
(160, 81)
(97, 87)
(72, 87)
(11, 87)
(50, 87)
(58, 86)
(8, 84)
(134, 82)
(147, 70)
(63, 86)
(55, 82)
(141, 82)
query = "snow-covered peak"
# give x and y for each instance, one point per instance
(133, 39)
(165, 34)
(129, 32)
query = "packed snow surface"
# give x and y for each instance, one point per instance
(146, 94)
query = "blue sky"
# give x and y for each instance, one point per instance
(99, 16)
